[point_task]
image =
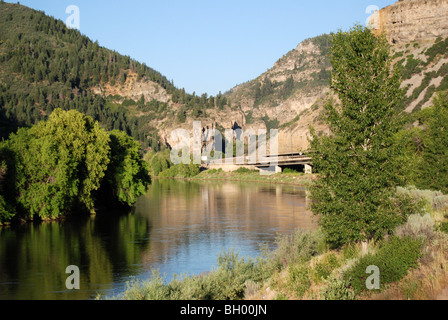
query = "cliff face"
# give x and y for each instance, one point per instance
(412, 20)
(412, 26)
(307, 67)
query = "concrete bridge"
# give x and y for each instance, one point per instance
(273, 163)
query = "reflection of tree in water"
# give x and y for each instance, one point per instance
(33, 257)
(177, 222)
(124, 238)
(191, 220)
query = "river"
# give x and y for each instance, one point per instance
(177, 227)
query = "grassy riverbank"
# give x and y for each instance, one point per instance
(413, 263)
(294, 178)
(160, 166)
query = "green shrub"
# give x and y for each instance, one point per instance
(337, 289)
(438, 48)
(434, 166)
(325, 267)
(243, 170)
(394, 258)
(181, 171)
(300, 247)
(412, 67)
(231, 280)
(440, 202)
(436, 200)
(186, 287)
(299, 279)
(289, 170)
(127, 174)
(214, 171)
(7, 211)
(417, 227)
(159, 162)
(155, 289)
(443, 227)
(280, 296)
(156, 166)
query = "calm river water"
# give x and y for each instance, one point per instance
(177, 227)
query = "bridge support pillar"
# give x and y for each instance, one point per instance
(278, 169)
(308, 169)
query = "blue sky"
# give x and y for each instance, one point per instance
(207, 46)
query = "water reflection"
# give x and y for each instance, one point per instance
(194, 222)
(33, 257)
(176, 227)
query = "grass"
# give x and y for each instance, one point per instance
(294, 178)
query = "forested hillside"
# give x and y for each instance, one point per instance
(44, 65)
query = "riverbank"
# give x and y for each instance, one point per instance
(292, 178)
(413, 264)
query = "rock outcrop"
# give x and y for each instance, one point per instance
(308, 66)
(412, 20)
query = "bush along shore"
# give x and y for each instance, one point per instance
(303, 266)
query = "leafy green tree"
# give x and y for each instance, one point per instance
(60, 162)
(355, 193)
(433, 171)
(127, 174)
(6, 209)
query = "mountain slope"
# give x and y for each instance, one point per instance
(44, 65)
(287, 97)
(419, 49)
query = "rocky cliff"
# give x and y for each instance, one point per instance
(412, 20)
(290, 95)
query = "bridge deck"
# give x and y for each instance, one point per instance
(284, 159)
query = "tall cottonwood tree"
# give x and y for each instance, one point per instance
(357, 163)
(433, 171)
